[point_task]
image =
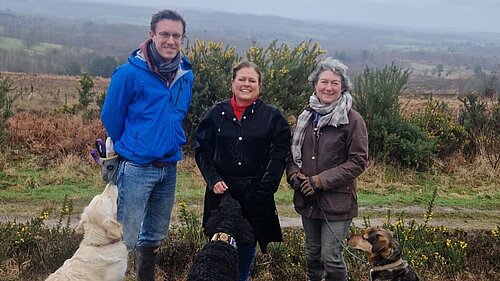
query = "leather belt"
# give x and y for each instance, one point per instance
(156, 163)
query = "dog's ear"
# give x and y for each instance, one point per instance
(113, 228)
(380, 245)
(79, 228)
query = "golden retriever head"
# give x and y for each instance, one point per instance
(98, 222)
(378, 243)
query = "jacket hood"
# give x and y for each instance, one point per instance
(137, 58)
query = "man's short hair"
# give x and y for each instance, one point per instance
(167, 15)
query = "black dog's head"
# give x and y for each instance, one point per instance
(227, 218)
(379, 244)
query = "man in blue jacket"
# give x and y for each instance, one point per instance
(147, 100)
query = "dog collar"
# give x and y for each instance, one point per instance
(221, 236)
(388, 266)
(110, 242)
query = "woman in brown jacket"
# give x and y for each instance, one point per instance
(329, 151)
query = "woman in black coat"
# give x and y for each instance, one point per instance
(241, 147)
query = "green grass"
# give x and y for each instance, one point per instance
(9, 43)
(27, 188)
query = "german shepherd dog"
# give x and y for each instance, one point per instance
(384, 254)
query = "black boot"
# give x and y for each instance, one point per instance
(340, 275)
(145, 261)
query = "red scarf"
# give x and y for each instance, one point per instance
(239, 109)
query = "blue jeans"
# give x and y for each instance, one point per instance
(324, 249)
(145, 201)
(246, 255)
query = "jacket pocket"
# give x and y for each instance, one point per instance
(337, 202)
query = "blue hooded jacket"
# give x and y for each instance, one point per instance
(143, 115)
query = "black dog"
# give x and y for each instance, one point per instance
(218, 259)
(385, 255)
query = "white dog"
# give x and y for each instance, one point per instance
(102, 256)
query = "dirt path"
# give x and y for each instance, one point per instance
(465, 219)
(442, 216)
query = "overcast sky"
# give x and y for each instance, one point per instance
(440, 15)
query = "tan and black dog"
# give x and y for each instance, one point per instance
(384, 254)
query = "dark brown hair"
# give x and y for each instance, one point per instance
(167, 15)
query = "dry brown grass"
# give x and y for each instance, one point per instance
(478, 176)
(414, 102)
(46, 93)
(70, 168)
(54, 136)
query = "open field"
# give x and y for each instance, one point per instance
(46, 93)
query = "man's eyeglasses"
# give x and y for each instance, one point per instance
(167, 35)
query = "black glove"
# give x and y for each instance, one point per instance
(309, 186)
(296, 180)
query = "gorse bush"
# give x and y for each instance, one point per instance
(212, 64)
(377, 91)
(34, 248)
(437, 121)
(404, 144)
(7, 98)
(481, 120)
(392, 139)
(473, 117)
(285, 72)
(284, 261)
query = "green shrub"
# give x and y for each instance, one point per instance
(482, 120)
(7, 98)
(473, 117)
(377, 91)
(35, 248)
(86, 97)
(391, 138)
(438, 122)
(399, 142)
(285, 260)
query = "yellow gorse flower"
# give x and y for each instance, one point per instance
(495, 231)
(448, 242)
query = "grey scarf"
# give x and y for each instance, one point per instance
(166, 69)
(333, 114)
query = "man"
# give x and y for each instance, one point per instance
(147, 100)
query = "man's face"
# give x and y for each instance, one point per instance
(167, 38)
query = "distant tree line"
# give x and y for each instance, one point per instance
(98, 48)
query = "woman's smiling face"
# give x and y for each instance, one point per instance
(246, 85)
(329, 87)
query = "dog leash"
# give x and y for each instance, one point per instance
(334, 235)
